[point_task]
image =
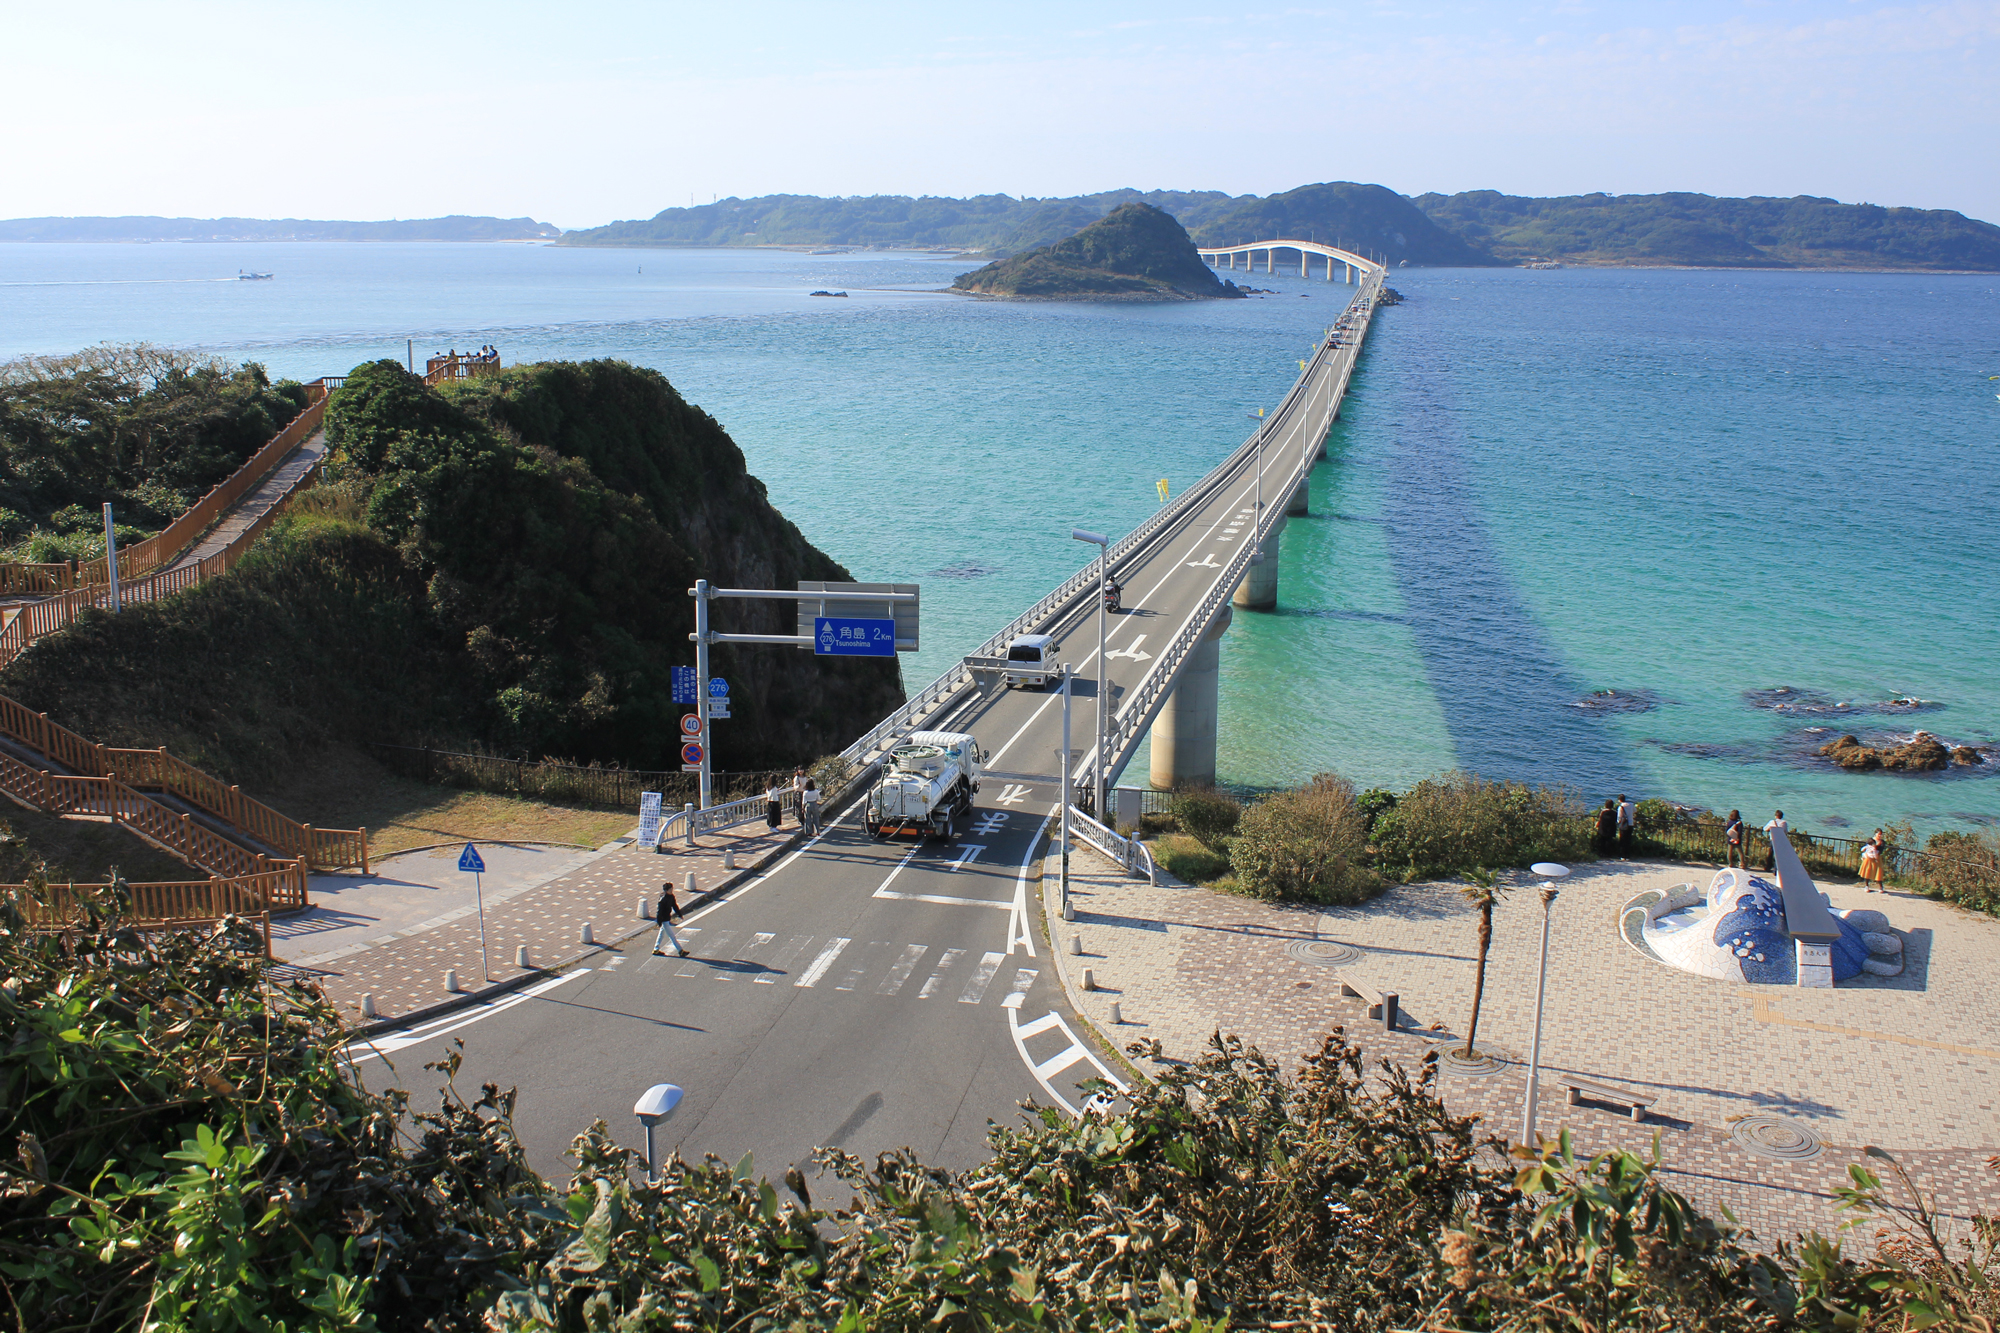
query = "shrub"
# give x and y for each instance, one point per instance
(1374, 803)
(831, 774)
(1189, 861)
(1458, 821)
(1207, 815)
(1964, 868)
(1306, 845)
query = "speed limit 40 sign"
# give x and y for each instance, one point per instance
(691, 724)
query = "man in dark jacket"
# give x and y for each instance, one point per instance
(664, 912)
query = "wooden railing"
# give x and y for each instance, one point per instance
(459, 366)
(156, 770)
(190, 902)
(16, 579)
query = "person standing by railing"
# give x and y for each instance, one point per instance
(1732, 837)
(1871, 861)
(809, 807)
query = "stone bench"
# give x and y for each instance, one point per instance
(1381, 1003)
(1638, 1101)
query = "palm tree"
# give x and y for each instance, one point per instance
(1482, 889)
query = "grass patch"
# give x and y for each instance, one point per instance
(84, 851)
(338, 788)
(1187, 860)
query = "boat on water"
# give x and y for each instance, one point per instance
(243, 276)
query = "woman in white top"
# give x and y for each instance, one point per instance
(1871, 861)
(774, 797)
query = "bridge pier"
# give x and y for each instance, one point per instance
(1296, 506)
(1302, 265)
(1259, 589)
(1184, 732)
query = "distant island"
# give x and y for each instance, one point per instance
(1474, 228)
(454, 228)
(1134, 253)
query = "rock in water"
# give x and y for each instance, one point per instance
(1134, 253)
(1922, 753)
(1965, 754)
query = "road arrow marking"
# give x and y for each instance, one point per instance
(1014, 794)
(1132, 652)
(967, 851)
(1206, 562)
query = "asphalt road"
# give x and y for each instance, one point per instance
(861, 994)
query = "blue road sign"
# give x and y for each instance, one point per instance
(469, 860)
(843, 636)
(718, 688)
(686, 687)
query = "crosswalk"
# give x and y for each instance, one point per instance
(838, 963)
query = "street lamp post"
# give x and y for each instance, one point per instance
(1103, 545)
(1550, 872)
(655, 1105)
(1066, 677)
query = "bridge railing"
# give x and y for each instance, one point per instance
(959, 676)
(1130, 853)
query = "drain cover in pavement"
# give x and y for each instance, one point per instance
(1331, 952)
(1485, 1062)
(1776, 1137)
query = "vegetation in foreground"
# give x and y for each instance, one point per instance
(195, 1153)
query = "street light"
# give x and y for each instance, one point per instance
(1103, 545)
(656, 1105)
(1550, 872)
(1067, 676)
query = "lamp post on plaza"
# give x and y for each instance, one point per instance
(1103, 545)
(1549, 872)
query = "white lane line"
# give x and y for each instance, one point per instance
(900, 973)
(1055, 1064)
(1024, 977)
(695, 965)
(975, 989)
(1052, 1020)
(1019, 933)
(783, 960)
(882, 890)
(944, 899)
(945, 961)
(740, 964)
(450, 1023)
(823, 962)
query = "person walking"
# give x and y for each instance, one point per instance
(1607, 827)
(809, 807)
(1732, 836)
(774, 805)
(1872, 857)
(1628, 818)
(664, 912)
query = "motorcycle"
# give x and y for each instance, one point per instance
(1113, 595)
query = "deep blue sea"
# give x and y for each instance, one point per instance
(1693, 488)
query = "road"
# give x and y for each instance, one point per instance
(861, 994)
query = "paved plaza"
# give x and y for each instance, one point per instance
(1908, 1063)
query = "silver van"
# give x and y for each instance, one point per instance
(1031, 660)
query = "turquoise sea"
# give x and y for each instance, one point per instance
(1693, 488)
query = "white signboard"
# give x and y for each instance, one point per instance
(649, 818)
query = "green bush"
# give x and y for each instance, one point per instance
(1967, 869)
(1189, 861)
(1456, 822)
(1374, 803)
(1207, 815)
(1306, 845)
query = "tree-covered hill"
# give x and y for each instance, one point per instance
(1136, 252)
(1699, 229)
(1368, 219)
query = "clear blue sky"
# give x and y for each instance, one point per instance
(580, 113)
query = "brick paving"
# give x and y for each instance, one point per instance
(1906, 1063)
(405, 974)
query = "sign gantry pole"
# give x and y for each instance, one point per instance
(701, 678)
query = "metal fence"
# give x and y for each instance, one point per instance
(570, 784)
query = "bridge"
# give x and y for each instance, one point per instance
(872, 995)
(1353, 266)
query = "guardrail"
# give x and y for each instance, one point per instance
(958, 676)
(685, 825)
(192, 902)
(1130, 853)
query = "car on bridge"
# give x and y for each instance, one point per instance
(1031, 660)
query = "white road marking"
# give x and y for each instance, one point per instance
(1019, 933)
(388, 1045)
(944, 899)
(785, 956)
(1206, 562)
(1024, 977)
(976, 988)
(1131, 651)
(967, 851)
(1038, 1026)
(730, 973)
(945, 961)
(1014, 794)
(823, 962)
(882, 890)
(1046, 1022)
(900, 973)
(854, 974)
(1055, 1064)
(694, 967)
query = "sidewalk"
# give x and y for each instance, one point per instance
(1765, 1093)
(394, 934)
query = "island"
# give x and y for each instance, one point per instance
(1136, 252)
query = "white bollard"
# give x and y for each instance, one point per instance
(521, 956)
(1089, 982)
(587, 937)
(645, 912)
(688, 889)
(729, 858)
(1069, 912)
(1117, 1015)
(1076, 944)
(368, 1005)
(451, 981)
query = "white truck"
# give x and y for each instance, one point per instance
(927, 785)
